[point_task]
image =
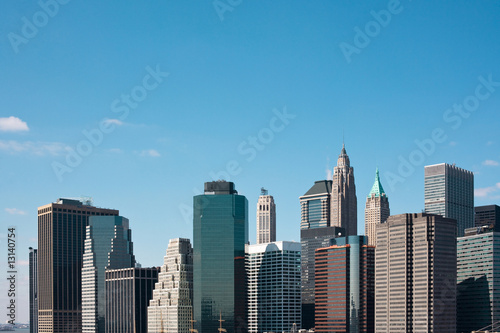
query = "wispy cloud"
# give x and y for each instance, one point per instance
(23, 263)
(15, 211)
(31, 147)
(115, 150)
(486, 191)
(13, 124)
(491, 163)
(453, 143)
(116, 122)
(328, 169)
(150, 153)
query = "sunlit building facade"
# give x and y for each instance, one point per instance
(108, 244)
(171, 308)
(449, 192)
(273, 286)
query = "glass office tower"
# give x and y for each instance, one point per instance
(220, 226)
(33, 276)
(104, 235)
(478, 280)
(449, 192)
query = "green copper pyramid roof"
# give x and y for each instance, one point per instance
(377, 188)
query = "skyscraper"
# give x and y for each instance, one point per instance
(449, 191)
(311, 240)
(273, 286)
(171, 308)
(345, 286)
(33, 276)
(315, 205)
(315, 233)
(344, 202)
(220, 218)
(478, 279)
(376, 209)
(266, 218)
(61, 236)
(487, 215)
(128, 292)
(103, 236)
(415, 288)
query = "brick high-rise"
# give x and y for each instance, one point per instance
(345, 277)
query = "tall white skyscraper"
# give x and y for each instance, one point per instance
(376, 210)
(344, 202)
(266, 218)
(108, 244)
(170, 310)
(449, 191)
(274, 303)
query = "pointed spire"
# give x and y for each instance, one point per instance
(377, 188)
(343, 159)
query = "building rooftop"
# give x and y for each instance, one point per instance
(377, 188)
(320, 187)
(220, 187)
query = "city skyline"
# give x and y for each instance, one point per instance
(403, 101)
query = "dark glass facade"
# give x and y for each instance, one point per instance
(128, 292)
(487, 215)
(314, 213)
(220, 234)
(478, 278)
(33, 275)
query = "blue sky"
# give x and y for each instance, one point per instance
(260, 90)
